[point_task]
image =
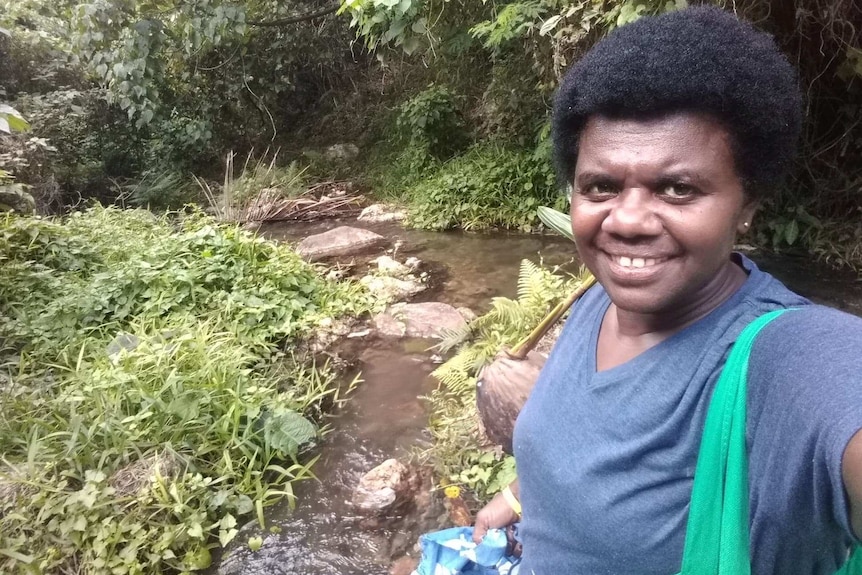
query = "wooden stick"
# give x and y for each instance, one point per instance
(524, 346)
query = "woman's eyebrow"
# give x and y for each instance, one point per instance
(683, 176)
(592, 177)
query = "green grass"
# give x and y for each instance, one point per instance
(142, 457)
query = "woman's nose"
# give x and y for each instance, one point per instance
(632, 214)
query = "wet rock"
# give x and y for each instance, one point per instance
(378, 213)
(425, 320)
(388, 266)
(328, 332)
(341, 241)
(341, 152)
(404, 566)
(413, 263)
(14, 198)
(467, 313)
(387, 489)
(391, 289)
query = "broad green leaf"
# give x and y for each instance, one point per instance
(419, 26)
(557, 221)
(198, 558)
(287, 431)
(549, 24)
(11, 120)
(225, 536)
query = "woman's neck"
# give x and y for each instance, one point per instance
(663, 324)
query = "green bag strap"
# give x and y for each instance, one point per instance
(717, 534)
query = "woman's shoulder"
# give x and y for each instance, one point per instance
(810, 356)
(812, 332)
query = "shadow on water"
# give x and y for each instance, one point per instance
(386, 418)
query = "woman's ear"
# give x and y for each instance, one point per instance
(746, 216)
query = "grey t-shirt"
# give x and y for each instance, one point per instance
(606, 459)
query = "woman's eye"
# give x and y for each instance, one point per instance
(677, 191)
(599, 191)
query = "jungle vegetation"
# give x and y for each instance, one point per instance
(447, 100)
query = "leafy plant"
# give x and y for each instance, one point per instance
(390, 22)
(11, 120)
(430, 122)
(489, 186)
(147, 403)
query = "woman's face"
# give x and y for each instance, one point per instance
(656, 208)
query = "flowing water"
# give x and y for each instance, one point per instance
(386, 416)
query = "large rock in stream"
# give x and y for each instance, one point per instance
(387, 489)
(425, 320)
(341, 241)
(378, 213)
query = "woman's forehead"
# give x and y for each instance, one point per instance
(683, 140)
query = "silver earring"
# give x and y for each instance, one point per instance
(745, 224)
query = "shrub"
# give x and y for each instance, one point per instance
(489, 186)
(430, 122)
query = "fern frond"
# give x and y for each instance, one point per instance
(453, 337)
(528, 279)
(456, 374)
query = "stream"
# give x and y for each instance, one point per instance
(387, 418)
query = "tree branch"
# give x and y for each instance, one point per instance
(298, 18)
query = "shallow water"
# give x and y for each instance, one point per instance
(386, 418)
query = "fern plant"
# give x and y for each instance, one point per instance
(457, 452)
(509, 320)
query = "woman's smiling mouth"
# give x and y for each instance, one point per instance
(637, 262)
(627, 268)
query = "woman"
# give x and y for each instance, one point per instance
(670, 132)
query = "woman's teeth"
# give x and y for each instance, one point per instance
(638, 262)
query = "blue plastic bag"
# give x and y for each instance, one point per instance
(452, 552)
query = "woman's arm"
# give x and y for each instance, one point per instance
(851, 471)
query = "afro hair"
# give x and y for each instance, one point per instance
(698, 59)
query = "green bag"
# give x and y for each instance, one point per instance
(717, 537)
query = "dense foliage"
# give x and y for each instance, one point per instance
(126, 92)
(489, 186)
(150, 399)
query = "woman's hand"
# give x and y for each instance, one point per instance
(496, 514)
